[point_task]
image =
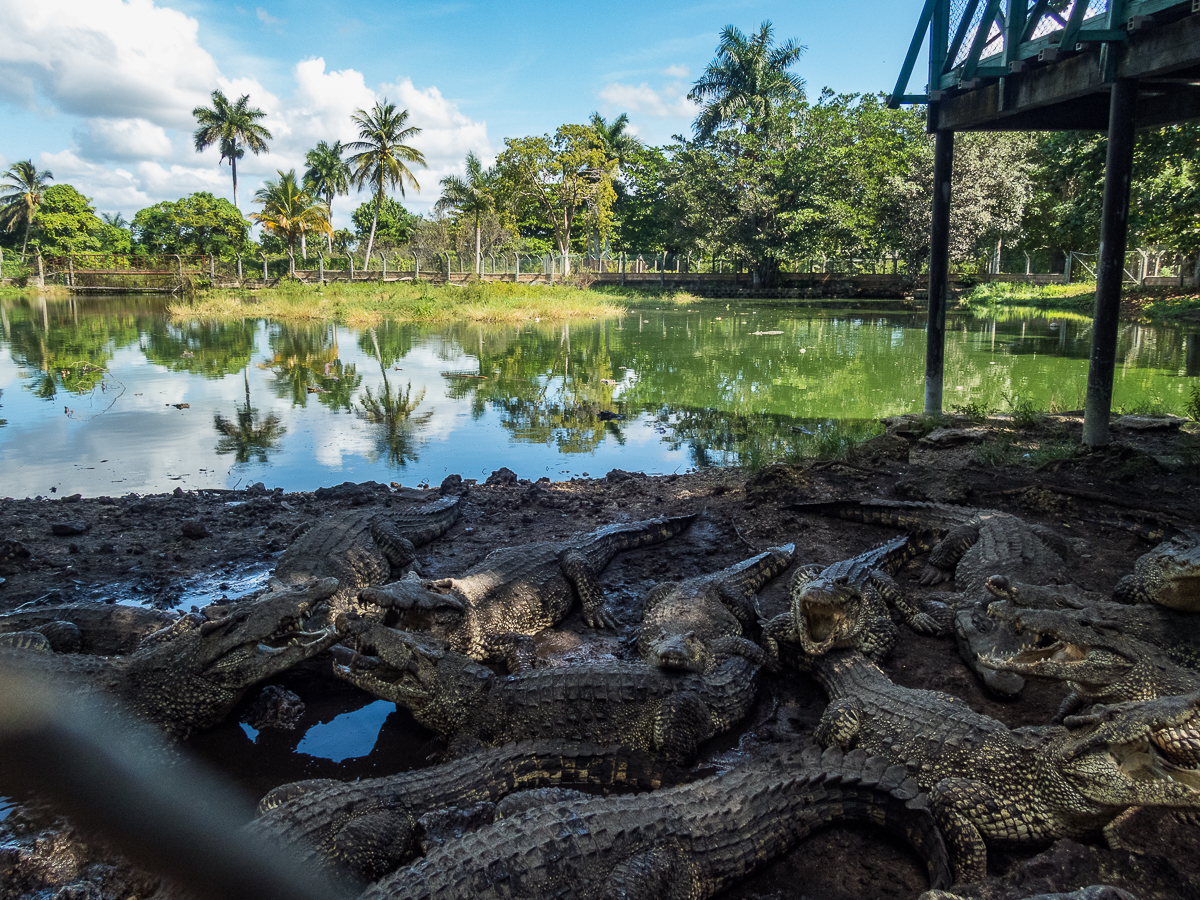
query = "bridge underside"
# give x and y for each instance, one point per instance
(1072, 94)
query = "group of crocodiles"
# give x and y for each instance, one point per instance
(573, 780)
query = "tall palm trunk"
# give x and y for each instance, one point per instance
(329, 235)
(374, 221)
(25, 243)
(233, 165)
(303, 246)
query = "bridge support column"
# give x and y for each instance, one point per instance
(939, 272)
(1114, 228)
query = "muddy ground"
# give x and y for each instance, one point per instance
(188, 549)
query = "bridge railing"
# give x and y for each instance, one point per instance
(974, 40)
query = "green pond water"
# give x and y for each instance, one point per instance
(110, 396)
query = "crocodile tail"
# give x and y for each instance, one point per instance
(863, 787)
(912, 516)
(538, 764)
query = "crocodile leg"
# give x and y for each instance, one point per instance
(732, 645)
(780, 628)
(398, 549)
(840, 724)
(577, 570)
(739, 601)
(945, 556)
(916, 619)
(662, 871)
(517, 650)
(958, 804)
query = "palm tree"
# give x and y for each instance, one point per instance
(291, 212)
(233, 127)
(328, 175)
(618, 145)
(380, 156)
(393, 411)
(748, 75)
(115, 220)
(20, 199)
(245, 435)
(474, 195)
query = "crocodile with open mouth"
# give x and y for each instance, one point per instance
(361, 548)
(1099, 663)
(1030, 785)
(845, 605)
(691, 841)
(494, 608)
(689, 624)
(1177, 634)
(187, 676)
(371, 827)
(975, 544)
(1169, 575)
(638, 706)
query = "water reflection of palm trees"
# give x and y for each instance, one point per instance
(247, 435)
(306, 361)
(391, 411)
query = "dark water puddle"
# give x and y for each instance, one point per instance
(343, 733)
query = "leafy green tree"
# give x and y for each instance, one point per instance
(566, 178)
(66, 222)
(21, 197)
(618, 144)
(474, 196)
(233, 127)
(746, 81)
(643, 217)
(380, 154)
(199, 224)
(290, 212)
(393, 223)
(328, 175)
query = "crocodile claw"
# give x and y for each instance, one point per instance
(601, 618)
(924, 623)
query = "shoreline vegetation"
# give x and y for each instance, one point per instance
(1168, 305)
(367, 304)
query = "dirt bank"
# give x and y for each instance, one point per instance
(191, 548)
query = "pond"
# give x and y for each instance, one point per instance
(112, 396)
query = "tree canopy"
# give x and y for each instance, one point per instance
(199, 224)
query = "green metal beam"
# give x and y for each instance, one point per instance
(913, 49)
(1066, 40)
(1035, 16)
(960, 35)
(981, 37)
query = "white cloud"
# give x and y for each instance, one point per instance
(104, 58)
(267, 19)
(676, 71)
(669, 102)
(122, 139)
(132, 71)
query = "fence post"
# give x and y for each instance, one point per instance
(350, 257)
(383, 267)
(239, 268)
(516, 268)
(1067, 269)
(212, 268)
(416, 267)
(41, 271)
(662, 273)
(71, 271)
(321, 267)
(622, 266)
(265, 276)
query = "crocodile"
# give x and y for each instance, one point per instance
(1169, 576)
(975, 544)
(1091, 892)
(992, 784)
(494, 609)
(688, 624)
(691, 841)
(1176, 634)
(845, 605)
(89, 627)
(366, 829)
(1098, 662)
(187, 676)
(641, 707)
(361, 548)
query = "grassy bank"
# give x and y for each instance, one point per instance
(364, 304)
(1146, 304)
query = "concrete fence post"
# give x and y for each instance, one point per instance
(71, 271)
(321, 267)
(622, 267)
(239, 267)
(212, 268)
(264, 259)
(41, 272)
(382, 267)
(350, 257)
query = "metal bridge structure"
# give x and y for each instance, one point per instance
(1052, 65)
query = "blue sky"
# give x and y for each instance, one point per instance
(101, 91)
